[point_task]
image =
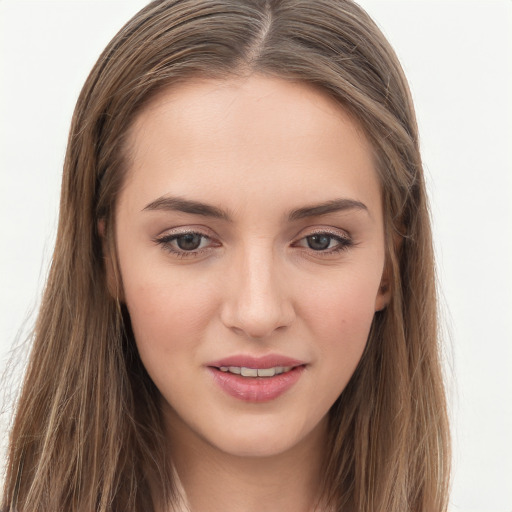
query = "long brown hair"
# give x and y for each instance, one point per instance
(87, 431)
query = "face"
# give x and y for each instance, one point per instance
(251, 250)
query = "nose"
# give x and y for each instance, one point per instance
(258, 300)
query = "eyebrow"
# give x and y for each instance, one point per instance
(332, 206)
(180, 204)
(171, 203)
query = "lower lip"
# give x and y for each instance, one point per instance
(256, 389)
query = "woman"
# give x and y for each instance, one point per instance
(241, 309)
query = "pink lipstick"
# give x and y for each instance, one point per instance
(256, 379)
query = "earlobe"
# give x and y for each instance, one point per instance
(113, 281)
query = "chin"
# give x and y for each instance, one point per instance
(259, 437)
(264, 445)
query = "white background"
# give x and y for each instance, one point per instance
(458, 58)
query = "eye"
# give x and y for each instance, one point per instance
(185, 244)
(319, 242)
(323, 242)
(189, 241)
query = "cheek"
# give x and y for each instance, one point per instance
(340, 315)
(168, 309)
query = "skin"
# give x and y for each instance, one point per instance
(257, 148)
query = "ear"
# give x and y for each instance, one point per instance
(114, 285)
(392, 257)
(384, 293)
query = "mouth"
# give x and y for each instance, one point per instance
(256, 372)
(256, 379)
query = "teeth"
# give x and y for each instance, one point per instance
(267, 372)
(249, 372)
(255, 372)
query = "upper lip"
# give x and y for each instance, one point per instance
(248, 361)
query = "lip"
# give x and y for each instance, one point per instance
(268, 361)
(256, 389)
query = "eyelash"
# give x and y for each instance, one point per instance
(166, 242)
(344, 243)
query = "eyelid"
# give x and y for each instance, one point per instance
(320, 230)
(185, 230)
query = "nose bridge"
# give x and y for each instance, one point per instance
(257, 304)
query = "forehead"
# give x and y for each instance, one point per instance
(242, 137)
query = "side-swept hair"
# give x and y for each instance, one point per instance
(88, 432)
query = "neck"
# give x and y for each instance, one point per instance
(215, 481)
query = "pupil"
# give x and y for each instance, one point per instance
(189, 242)
(318, 242)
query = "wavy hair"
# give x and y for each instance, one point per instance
(87, 434)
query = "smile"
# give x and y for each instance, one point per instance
(255, 372)
(256, 379)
